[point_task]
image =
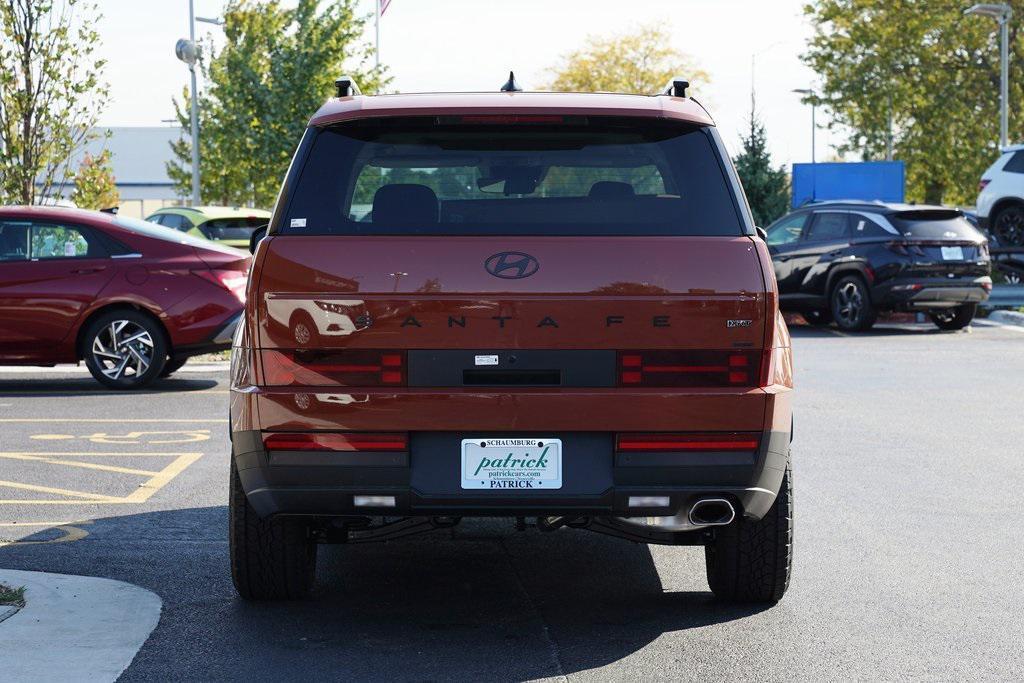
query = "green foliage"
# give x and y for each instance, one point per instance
(641, 61)
(50, 92)
(939, 70)
(277, 67)
(94, 183)
(767, 188)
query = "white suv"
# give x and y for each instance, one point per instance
(1001, 201)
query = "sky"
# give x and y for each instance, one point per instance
(466, 45)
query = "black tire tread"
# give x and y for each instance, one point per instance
(961, 318)
(270, 559)
(751, 561)
(155, 330)
(870, 316)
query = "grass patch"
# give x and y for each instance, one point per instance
(12, 596)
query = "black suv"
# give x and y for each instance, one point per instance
(845, 261)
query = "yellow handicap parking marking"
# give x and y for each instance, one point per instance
(155, 479)
(165, 437)
(70, 531)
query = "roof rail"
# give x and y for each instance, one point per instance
(676, 87)
(346, 87)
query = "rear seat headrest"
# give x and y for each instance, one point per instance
(405, 203)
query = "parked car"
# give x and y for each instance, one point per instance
(132, 299)
(231, 225)
(557, 308)
(846, 261)
(1008, 261)
(1001, 198)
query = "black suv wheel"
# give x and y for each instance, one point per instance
(751, 561)
(271, 559)
(851, 304)
(955, 318)
(124, 349)
(1008, 226)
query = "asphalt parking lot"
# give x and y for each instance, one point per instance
(907, 461)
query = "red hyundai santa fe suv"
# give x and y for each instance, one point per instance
(553, 308)
(132, 299)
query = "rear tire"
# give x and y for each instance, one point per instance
(271, 559)
(751, 561)
(851, 305)
(124, 349)
(955, 318)
(1008, 226)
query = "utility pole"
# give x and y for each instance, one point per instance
(1002, 14)
(376, 4)
(195, 108)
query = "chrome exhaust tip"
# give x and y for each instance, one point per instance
(712, 512)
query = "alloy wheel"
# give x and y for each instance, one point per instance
(851, 302)
(1009, 227)
(123, 349)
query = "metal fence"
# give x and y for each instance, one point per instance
(1005, 296)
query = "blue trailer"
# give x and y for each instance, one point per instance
(881, 180)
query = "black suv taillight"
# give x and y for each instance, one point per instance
(692, 368)
(347, 367)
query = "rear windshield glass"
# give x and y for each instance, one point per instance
(935, 225)
(512, 175)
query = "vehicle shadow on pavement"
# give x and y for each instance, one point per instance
(87, 386)
(476, 602)
(895, 330)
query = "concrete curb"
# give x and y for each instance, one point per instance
(75, 627)
(1007, 318)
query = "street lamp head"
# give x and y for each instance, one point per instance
(187, 51)
(998, 11)
(803, 91)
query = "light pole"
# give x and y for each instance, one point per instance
(188, 52)
(1001, 13)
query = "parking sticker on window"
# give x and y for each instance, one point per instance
(297, 223)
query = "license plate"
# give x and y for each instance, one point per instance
(952, 253)
(512, 464)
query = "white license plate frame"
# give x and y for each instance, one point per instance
(511, 464)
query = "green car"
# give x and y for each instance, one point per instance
(229, 225)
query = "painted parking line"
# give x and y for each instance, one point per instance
(157, 479)
(71, 531)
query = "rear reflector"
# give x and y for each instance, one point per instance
(335, 441)
(693, 368)
(710, 441)
(347, 367)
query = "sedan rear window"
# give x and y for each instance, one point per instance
(511, 175)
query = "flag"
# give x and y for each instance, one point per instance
(384, 5)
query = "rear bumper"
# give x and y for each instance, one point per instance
(219, 339)
(916, 295)
(425, 481)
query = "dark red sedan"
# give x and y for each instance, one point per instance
(132, 299)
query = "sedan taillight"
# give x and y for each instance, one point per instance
(347, 367)
(692, 368)
(232, 280)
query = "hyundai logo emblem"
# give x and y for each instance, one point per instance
(511, 265)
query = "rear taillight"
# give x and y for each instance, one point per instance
(708, 441)
(334, 441)
(232, 280)
(983, 183)
(693, 368)
(348, 367)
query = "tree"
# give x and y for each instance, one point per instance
(932, 70)
(767, 188)
(277, 67)
(641, 61)
(94, 183)
(51, 92)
